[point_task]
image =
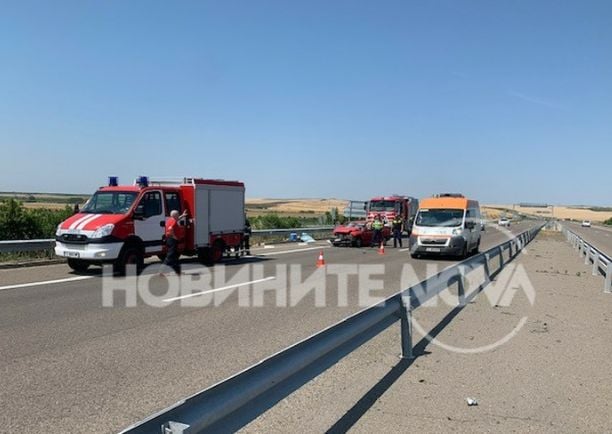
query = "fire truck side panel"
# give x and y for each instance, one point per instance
(219, 213)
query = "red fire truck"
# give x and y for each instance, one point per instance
(390, 206)
(123, 224)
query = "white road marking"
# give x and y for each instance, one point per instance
(225, 288)
(405, 250)
(47, 282)
(293, 251)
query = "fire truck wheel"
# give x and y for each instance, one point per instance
(217, 251)
(78, 264)
(129, 255)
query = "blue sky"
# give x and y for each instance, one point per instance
(507, 101)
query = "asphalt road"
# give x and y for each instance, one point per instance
(599, 236)
(68, 362)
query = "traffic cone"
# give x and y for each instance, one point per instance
(381, 249)
(320, 261)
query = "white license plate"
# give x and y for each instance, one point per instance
(433, 249)
(69, 254)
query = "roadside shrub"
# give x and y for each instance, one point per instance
(19, 223)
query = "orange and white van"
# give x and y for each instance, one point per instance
(446, 224)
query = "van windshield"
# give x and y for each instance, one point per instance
(109, 202)
(440, 217)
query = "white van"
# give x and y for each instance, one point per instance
(447, 224)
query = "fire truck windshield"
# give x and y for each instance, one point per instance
(109, 202)
(382, 205)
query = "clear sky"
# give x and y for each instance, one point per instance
(507, 101)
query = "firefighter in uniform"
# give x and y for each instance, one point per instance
(397, 224)
(174, 235)
(246, 238)
(377, 226)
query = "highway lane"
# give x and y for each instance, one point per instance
(67, 361)
(600, 237)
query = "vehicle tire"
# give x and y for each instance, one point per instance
(217, 251)
(476, 248)
(355, 241)
(211, 255)
(465, 252)
(78, 264)
(130, 254)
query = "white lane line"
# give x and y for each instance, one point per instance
(293, 251)
(404, 250)
(47, 282)
(224, 288)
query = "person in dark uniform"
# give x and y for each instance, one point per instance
(246, 238)
(397, 223)
(174, 235)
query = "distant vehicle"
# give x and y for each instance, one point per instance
(483, 225)
(356, 234)
(586, 223)
(504, 222)
(390, 206)
(446, 224)
(123, 224)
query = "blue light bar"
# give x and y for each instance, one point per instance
(143, 181)
(113, 181)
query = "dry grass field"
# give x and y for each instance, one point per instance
(294, 206)
(560, 212)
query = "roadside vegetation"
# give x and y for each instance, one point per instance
(20, 223)
(608, 222)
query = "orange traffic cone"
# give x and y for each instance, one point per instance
(320, 261)
(381, 249)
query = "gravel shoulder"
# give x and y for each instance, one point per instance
(552, 376)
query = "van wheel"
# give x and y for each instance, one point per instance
(465, 252)
(129, 255)
(78, 264)
(477, 248)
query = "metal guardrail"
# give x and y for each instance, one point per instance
(19, 246)
(602, 263)
(232, 403)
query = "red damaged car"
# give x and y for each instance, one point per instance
(356, 234)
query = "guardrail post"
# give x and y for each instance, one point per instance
(406, 325)
(461, 285)
(587, 255)
(487, 269)
(608, 282)
(501, 257)
(595, 265)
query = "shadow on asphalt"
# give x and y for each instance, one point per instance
(352, 416)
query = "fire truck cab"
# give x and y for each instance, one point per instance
(123, 224)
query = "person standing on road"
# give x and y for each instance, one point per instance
(397, 224)
(246, 238)
(174, 235)
(377, 226)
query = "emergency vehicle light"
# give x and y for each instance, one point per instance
(143, 181)
(113, 181)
